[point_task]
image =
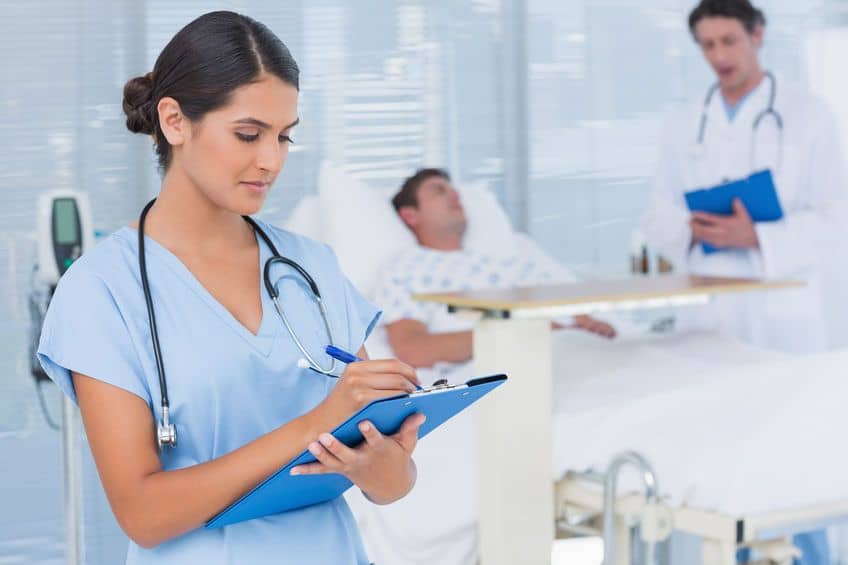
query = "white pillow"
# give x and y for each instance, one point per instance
(489, 229)
(361, 225)
(306, 218)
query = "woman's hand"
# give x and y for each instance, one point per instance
(382, 466)
(363, 382)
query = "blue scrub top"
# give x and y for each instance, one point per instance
(226, 386)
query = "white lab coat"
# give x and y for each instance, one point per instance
(811, 186)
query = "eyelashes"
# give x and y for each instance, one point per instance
(251, 138)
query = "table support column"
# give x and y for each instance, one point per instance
(515, 442)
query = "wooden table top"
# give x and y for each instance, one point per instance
(589, 292)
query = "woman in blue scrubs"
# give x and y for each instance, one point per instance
(220, 105)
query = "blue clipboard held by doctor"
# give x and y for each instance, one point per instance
(283, 491)
(757, 192)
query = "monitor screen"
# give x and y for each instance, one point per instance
(65, 221)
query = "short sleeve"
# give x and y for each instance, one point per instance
(85, 332)
(394, 295)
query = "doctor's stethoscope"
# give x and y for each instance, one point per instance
(698, 149)
(166, 433)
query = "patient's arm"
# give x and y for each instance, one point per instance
(595, 326)
(413, 344)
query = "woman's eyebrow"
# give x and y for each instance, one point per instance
(261, 124)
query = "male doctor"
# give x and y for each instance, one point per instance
(750, 121)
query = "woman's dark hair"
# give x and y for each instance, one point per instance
(408, 194)
(741, 10)
(201, 67)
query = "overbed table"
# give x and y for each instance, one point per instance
(515, 424)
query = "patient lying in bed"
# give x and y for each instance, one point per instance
(424, 334)
(436, 524)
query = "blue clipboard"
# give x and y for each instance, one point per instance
(757, 192)
(282, 491)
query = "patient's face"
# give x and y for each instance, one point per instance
(439, 207)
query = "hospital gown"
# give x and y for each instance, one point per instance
(436, 524)
(425, 270)
(226, 385)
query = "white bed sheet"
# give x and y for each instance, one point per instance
(742, 439)
(686, 401)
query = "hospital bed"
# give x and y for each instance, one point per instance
(746, 449)
(437, 522)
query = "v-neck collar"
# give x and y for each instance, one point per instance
(263, 340)
(744, 115)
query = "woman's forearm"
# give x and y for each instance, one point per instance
(153, 505)
(167, 504)
(387, 492)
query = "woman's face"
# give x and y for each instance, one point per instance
(234, 154)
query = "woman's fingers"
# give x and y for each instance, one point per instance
(315, 468)
(339, 450)
(388, 366)
(407, 436)
(380, 381)
(330, 461)
(372, 435)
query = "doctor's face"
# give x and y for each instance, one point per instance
(730, 50)
(234, 154)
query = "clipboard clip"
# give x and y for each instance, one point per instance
(441, 384)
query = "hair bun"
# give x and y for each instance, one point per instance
(138, 104)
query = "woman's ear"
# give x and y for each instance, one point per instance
(174, 124)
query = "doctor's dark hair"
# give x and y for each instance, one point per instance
(741, 10)
(201, 67)
(408, 194)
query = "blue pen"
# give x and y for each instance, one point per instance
(345, 357)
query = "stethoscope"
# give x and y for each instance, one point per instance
(166, 433)
(698, 149)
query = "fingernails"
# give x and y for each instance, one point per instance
(314, 449)
(365, 427)
(295, 471)
(326, 439)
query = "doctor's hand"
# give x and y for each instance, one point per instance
(363, 382)
(381, 466)
(735, 230)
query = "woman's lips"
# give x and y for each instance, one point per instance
(256, 186)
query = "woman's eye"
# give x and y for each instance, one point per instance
(246, 137)
(286, 139)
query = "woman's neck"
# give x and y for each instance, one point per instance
(734, 95)
(185, 220)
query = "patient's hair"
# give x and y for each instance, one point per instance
(408, 194)
(741, 10)
(201, 67)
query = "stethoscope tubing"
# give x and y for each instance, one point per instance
(768, 111)
(166, 432)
